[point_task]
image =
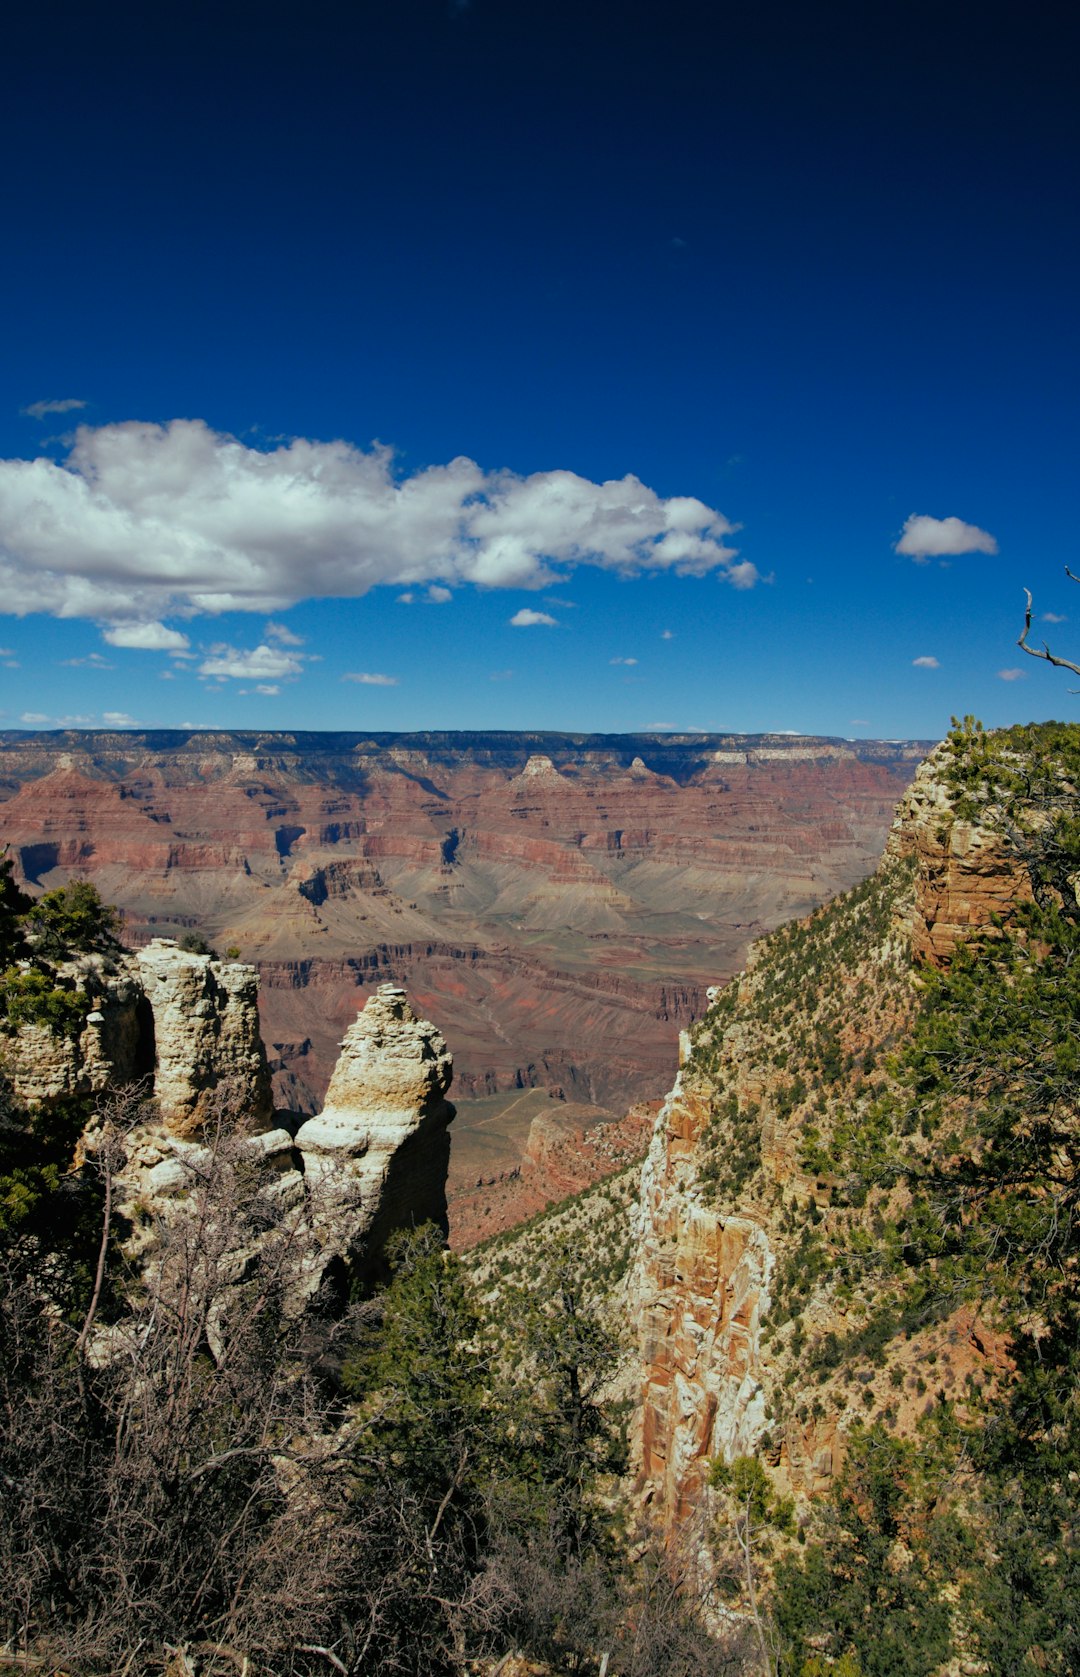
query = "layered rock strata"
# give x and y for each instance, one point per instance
(966, 873)
(542, 896)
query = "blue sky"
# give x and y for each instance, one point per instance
(707, 306)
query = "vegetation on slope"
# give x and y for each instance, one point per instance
(927, 1126)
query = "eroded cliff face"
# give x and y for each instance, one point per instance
(741, 1184)
(703, 1283)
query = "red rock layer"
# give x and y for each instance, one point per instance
(555, 903)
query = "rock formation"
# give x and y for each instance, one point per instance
(373, 1161)
(175, 1035)
(184, 1026)
(205, 1019)
(965, 874)
(384, 1129)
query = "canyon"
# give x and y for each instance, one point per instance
(557, 904)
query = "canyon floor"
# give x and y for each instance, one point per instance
(557, 904)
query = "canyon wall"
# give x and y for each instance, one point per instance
(556, 903)
(741, 1337)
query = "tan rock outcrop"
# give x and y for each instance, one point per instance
(373, 1161)
(206, 1036)
(965, 874)
(385, 1125)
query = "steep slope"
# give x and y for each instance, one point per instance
(556, 903)
(799, 1272)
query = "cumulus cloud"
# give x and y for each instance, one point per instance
(1012, 675)
(33, 716)
(41, 410)
(140, 522)
(369, 680)
(925, 663)
(526, 618)
(263, 663)
(1053, 617)
(119, 719)
(667, 634)
(270, 688)
(438, 595)
(283, 635)
(146, 637)
(924, 538)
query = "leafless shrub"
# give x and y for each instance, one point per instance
(179, 1489)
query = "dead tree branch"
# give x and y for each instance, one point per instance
(1045, 653)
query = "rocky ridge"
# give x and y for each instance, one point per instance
(750, 1342)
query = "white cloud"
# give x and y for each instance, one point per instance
(744, 575)
(40, 410)
(622, 660)
(146, 637)
(1052, 617)
(526, 618)
(283, 635)
(406, 599)
(264, 662)
(33, 716)
(925, 664)
(367, 680)
(924, 537)
(438, 595)
(93, 661)
(667, 634)
(142, 522)
(270, 688)
(1012, 675)
(119, 719)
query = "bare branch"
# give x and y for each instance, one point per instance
(1033, 651)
